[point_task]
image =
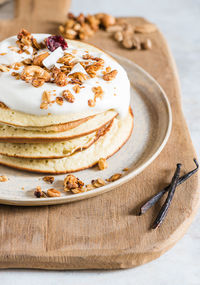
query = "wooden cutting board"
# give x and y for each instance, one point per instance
(105, 231)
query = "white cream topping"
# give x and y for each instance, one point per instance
(21, 96)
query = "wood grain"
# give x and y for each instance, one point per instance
(105, 231)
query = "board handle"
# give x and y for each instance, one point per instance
(47, 10)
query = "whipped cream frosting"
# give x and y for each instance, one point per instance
(21, 96)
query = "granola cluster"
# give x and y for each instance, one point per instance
(73, 184)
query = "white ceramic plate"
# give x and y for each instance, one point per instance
(152, 126)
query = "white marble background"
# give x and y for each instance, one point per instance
(179, 20)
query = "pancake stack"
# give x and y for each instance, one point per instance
(59, 135)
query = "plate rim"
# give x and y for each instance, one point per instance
(117, 183)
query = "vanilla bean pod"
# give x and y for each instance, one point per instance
(165, 207)
(157, 197)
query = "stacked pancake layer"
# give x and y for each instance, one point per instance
(57, 139)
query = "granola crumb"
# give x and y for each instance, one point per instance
(16, 75)
(73, 184)
(4, 68)
(68, 96)
(98, 92)
(126, 169)
(99, 182)
(102, 163)
(3, 178)
(76, 88)
(39, 193)
(59, 101)
(53, 193)
(89, 187)
(114, 177)
(49, 179)
(110, 75)
(91, 103)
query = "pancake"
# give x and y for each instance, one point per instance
(18, 135)
(105, 147)
(46, 123)
(52, 150)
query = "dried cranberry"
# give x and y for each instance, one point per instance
(53, 42)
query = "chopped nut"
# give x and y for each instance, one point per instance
(46, 100)
(126, 169)
(3, 178)
(108, 69)
(147, 44)
(70, 34)
(98, 92)
(91, 103)
(76, 88)
(85, 32)
(4, 68)
(53, 193)
(81, 18)
(68, 96)
(127, 42)
(78, 190)
(136, 43)
(39, 59)
(49, 179)
(110, 76)
(36, 45)
(118, 36)
(24, 39)
(16, 75)
(71, 16)
(59, 100)
(89, 187)
(66, 58)
(78, 75)
(114, 29)
(93, 68)
(93, 22)
(59, 77)
(46, 96)
(37, 82)
(27, 61)
(107, 20)
(145, 28)
(35, 73)
(44, 105)
(72, 183)
(39, 193)
(98, 182)
(99, 16)
(114, 177)
(102, 164)
(17, 65)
